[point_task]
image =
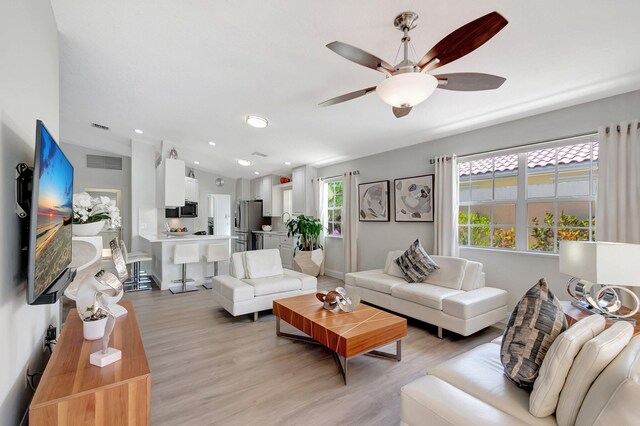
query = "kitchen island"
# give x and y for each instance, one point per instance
(165, 271)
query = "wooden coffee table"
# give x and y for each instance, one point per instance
(346, 334)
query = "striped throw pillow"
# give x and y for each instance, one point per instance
(534, 324)
(415, 263)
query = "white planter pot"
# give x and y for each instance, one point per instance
(87, 229)
(309, 262)
(94, 330)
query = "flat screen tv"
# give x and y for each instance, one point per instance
(50, 219)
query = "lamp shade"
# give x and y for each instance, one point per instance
(601, 262)
(407, 90)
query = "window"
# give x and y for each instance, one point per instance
(334, 208)
(530, 200)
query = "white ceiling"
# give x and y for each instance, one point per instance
(190, 71)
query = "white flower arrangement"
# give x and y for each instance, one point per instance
(87, 209)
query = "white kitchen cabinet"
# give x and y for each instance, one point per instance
(303, 198)
(271, 197)
(270, 241)
(174, 183)
(243, 189)
(191, 189)
(256, 189)
(284, 244)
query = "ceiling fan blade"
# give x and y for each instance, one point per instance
(401, 112)
(469, 81)
(348, 96)
(464, 40)
(359, 56)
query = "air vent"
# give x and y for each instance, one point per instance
(100, 126)
(259, 154)
(104, 162)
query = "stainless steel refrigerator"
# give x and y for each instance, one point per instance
(248, 218)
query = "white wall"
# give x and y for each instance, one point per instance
(513, 272)
(28, 91)
(84, 177)
(143, 186)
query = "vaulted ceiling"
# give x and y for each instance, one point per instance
(189, 72)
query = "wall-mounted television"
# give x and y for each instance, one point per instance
(50, 220)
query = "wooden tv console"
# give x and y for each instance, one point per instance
(72, 391)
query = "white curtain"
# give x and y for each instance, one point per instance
(446, 206)
(618, 198)
(321, 211)
(350, 220)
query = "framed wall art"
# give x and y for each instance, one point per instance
(413, 198)
(373, 201)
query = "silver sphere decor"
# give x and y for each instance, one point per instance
(602, 299)
(338, 300)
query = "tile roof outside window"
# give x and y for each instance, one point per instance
(544, 157)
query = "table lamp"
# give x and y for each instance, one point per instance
(599, 271)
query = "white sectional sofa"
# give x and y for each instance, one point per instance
(256, 279)
(472, 389)
(453, 297)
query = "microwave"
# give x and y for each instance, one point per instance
(190, 209)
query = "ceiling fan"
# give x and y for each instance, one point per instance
(408, 83)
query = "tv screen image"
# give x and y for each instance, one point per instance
(52, 199)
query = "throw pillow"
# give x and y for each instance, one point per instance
(594, 357)
(415, 263)
(534, 324)
(555, 366)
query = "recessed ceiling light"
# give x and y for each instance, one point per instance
(244, 163)
(196, 162)
(212, 143)
(287, 163)
(255, 121)
(138, 131)
(256, 173)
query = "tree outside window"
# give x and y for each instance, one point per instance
(334, 208)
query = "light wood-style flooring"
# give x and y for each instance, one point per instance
(209, 368)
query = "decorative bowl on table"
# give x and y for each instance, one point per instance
(266, 228)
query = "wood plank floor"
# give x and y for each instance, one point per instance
(209, 368)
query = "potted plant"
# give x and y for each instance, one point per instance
(90, 214)
(94, 321)
(308, 252)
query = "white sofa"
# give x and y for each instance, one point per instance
(453, 297)
(256, 278)
(471, 389)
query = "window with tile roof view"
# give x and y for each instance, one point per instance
(530, 200)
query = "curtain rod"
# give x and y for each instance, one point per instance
(524, 145)
(608, 129)
(355, 172)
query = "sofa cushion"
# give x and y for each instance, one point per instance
(613, 397)
(594, 356)
(237, 265)
(381, 282)
(472, 276)
(427, 295)
(233, 289)
(272, 285)
(262, 263)
(309, 282)
(450, 272)
(558, 361)
(351, 277)
(391, 267)
(469, 304)
(415, 263)
(479, 373)
(432, 401)
(534, 324)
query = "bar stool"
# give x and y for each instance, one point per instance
(183, 254)
(216, 253)
(139, 280)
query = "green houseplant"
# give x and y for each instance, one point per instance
(309, 256)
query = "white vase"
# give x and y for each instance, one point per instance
(308, 262)
(87, 229)
(94, 330)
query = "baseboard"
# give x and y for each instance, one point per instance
(334, 274)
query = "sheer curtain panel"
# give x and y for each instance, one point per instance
(321, 212)
(446, 206)
(350, 221)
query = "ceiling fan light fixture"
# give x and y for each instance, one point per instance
(407, 89)
(244, 163)
(257, 121)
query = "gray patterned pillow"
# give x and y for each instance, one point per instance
(534, 324)
(415, 263)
